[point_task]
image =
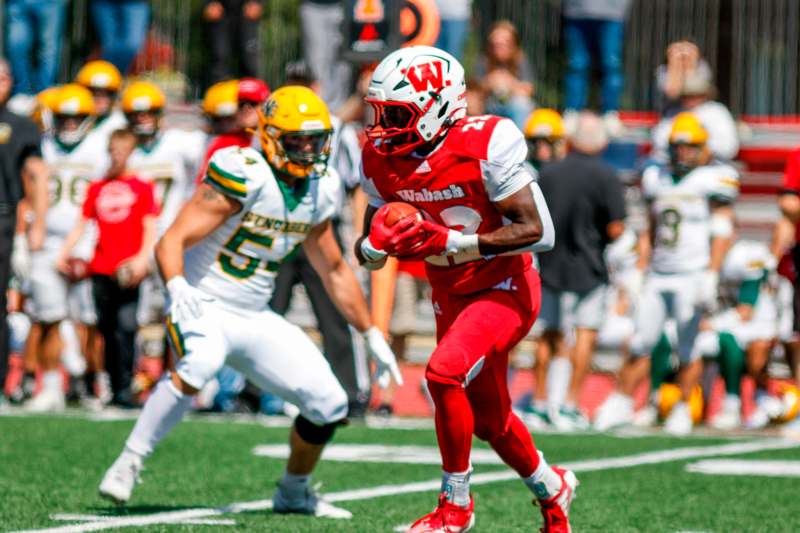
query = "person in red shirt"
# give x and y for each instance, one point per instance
(252, 95)
(124, 209)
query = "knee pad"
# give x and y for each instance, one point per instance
(452, 369)
(312, 433)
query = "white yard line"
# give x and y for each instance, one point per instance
(67, 517)
(629, 461)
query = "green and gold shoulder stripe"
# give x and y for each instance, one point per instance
(226, 182)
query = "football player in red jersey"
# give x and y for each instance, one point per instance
(483, 214)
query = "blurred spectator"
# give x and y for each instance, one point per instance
(22, 173)
(454, 25)
(587, 204)
(321, 23)
(697, 97)
(232, 31)
(34, 29)
(476, 98)
(683, 60)
(354, 109)
(121, 26)
(594, 25)
(251, 94)
(124, 209)
(506, 74)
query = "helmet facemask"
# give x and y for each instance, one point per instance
(296, 153)
(685, 157)
(142, 128)
(70, 130)
(394, 130)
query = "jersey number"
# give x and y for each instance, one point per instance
(76, 193)
(236, 263)
(163, 184)
(670, 222)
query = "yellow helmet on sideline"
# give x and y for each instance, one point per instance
(99, 75)
(544, 123)
(222, 99)
(72, 100)
(42, 113)
(294, 128)
(669, 394)
(142, 96)
(687, 129)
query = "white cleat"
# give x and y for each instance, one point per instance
(311, 503)
(569, 419)
(46, 402)
(646, 417)
(729, 416)
(679, 422)
(616, 411)
(118, 483)
(758, 419)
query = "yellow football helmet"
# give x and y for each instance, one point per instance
(72, 103)
(294, 128)
(222, 99)
(669, 394)
(687, 129)
(142, 96)
(99, 75)
(544, 123)
(42, 113)
(789, 401)
(72, 100)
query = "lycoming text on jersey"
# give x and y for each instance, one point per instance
(253, 220)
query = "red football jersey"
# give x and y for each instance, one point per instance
(480, 161)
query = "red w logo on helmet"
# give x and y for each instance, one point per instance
(426, 75)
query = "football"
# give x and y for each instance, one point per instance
(397, 211)
(77, 269)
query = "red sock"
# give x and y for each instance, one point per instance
(515, 447)
(454, 425)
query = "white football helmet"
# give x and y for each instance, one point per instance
(416, 93)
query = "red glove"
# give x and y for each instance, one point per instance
(380, 234)
(426, 239)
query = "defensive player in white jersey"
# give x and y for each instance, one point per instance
(219, 260)
(690, 231)
(170, 158)
(74, 161)
(742, 333)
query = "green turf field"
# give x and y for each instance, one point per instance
(50, 467)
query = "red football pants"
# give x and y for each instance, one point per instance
(467, 372)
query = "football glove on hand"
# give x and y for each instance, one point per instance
(385, 363)
(186, 302)
(430, 238)
(374, 259)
